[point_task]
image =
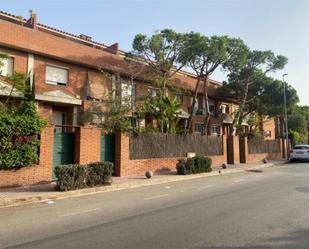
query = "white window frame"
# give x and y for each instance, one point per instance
(223, 109)
(214, 131)
(153, 90)
(4, 69)
(198, 124)
(179, 97)
(57, 83)
(126, 93)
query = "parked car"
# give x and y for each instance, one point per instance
(299, 152)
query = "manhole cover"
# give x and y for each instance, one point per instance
(255, 170)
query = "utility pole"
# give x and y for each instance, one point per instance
(286, 117)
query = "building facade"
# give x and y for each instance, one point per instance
(69, 75)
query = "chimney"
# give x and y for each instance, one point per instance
(31, 22)
(113, 48)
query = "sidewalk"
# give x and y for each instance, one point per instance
(23, 195)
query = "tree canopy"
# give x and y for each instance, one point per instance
(246, 82)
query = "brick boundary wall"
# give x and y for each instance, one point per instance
(256, 157)
(124, 166)
(87, 145)
(233, 155)
(36, 174)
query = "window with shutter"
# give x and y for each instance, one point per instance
(56, 75)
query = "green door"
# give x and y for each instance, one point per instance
(63, 150)
(108, 148)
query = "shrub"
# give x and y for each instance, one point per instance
(99, 173)
(181, 167)
(20, 128)
(194, 165)
(202, 164)
(71, 176)
(190, 166)
(76, 176)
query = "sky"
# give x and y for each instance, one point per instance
(278, 25)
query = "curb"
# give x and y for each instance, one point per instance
(122, 186)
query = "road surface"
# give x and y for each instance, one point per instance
(268, 209)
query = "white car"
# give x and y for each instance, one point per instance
(299, 152)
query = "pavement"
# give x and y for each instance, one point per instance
(24, 195)
(265, 208)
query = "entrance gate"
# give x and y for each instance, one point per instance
(63, 152)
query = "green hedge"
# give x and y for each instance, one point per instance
(20, 128)
(194, 165)
(76, 176)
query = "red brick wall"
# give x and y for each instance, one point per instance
(45, 111)
(36, 174)
(77, 77)
(88, 145)
(270, 125)
(253, 158)
(233, 150)
(45, 44)
(20, 59)
(126, 167)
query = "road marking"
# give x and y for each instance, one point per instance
(206, 186)
(167, 187)
(49, 202)
(80, 212)
(156, 197)
(240, 180)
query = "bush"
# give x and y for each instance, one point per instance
(99, 173)
(181, 167)
(20, 128)
(190, 166)
(194, 165)
(76, 176)
(71, 176)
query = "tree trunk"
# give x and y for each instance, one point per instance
(207, 117)
(193, 104)
(238, 117)
(10, 94)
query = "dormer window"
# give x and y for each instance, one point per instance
(57, 75)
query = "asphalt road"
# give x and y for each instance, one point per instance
(269, 209)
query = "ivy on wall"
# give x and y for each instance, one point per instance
(20, 128)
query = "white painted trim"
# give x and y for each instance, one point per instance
(30, 68)
(74, 116)
(5, 90)
(49, 98)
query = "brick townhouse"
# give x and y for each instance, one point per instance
(66, 73)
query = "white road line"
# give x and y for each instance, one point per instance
(80, 212)
(156, 197)
(207, 186)
(240, 180)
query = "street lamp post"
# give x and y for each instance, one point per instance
(285, 116)
(308, 124)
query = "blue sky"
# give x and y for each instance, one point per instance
(279, 25)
